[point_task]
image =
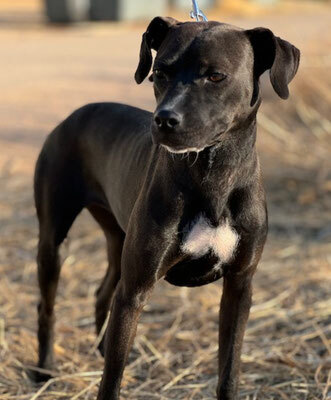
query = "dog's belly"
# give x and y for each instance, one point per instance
(207, 249)
(193, 272)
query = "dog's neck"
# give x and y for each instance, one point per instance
(231, 163)
(236, 148)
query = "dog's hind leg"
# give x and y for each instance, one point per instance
(48, 276)
(58, 204)
(115, 239)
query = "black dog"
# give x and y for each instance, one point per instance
(191, 220)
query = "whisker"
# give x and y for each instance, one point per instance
(196, 158)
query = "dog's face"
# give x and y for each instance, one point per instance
(206, 78)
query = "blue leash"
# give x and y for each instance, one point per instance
(196, 13)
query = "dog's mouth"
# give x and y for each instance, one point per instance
(182, 150)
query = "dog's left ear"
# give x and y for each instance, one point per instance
(152, 39)
(276, 54)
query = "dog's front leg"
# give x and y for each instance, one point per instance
(139, 265)
(125, 311)
(234, 312)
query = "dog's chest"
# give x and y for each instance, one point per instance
(202, 238)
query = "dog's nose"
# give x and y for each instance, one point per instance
(167, 119)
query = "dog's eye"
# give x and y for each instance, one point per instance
(216, 77)
(159, 74)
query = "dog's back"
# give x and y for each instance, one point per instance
(104, 138)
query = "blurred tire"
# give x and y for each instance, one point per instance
(66, 11)
(119, 10)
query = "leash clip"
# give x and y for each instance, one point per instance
(196, 13)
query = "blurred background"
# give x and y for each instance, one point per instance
(57, 55)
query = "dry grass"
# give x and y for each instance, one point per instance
(287, 349)
(286, 354)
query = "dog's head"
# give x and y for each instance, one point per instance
(206, 78)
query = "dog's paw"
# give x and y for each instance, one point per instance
(226, 394)
(101, 347)
(37, 376)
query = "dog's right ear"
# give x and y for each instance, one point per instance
(153, 37)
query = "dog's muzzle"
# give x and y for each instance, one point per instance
(168, 132)
(167, 121)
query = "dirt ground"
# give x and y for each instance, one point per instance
(46, 72)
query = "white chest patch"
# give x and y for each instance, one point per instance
(202, 238)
